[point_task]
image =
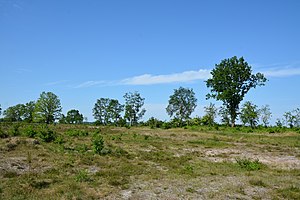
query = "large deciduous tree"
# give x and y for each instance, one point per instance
(47, 108)
(74, 117)
(181, 104)
(230, 82)
(107, 110)
(133, 107)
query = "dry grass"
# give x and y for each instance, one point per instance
(144, 163)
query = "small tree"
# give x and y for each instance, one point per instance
(225, 115)
(29, 110)
(48, 108)
(292, 118)
(231, 80)
(265, 115)
(115, 109)
(181, 104)
(100, 110)
(210, 114)
(74, 117)
(133, 107)
(249, 114)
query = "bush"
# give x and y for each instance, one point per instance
(46, 134)
(248, 164)
(30, 132)
(82, 176)
(166, 125)
(3, 134)
(98, 143)
(14, 130)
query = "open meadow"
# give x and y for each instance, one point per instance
(97, 162)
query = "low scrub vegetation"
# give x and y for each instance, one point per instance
(68, 161)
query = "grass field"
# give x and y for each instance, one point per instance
(89, 162)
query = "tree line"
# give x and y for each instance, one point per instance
(230, 81)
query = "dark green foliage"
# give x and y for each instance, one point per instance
(3, 134)
(154, 123)
(166, 125)
(48, 108)
(46, 134)
(108, 111)
(97, 143)
(231, 80)
(249, 114)
(181, 104)
(14, 113)
(14, 130)
(29, 131)
(76, 132)
(74, 117)
(248, 164)
(133, 107)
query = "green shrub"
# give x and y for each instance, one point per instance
(82, 176)
(3, 134)
(248, 164)
(59, 139)
(14, 130)
(46, 134)
(98, 143)
(29, 132)
(76, 132)
(166, 125)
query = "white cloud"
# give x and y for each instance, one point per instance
(149, 79)
(56, 83)
(184, 77)
(282, 72)
(90, 84)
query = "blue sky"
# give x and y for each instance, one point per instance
(85, 50)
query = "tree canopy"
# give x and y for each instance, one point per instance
(133, 107)
(48, 108)
(249, 114)
(74, 117)
(231, 80)
(107, 110)
(181, 104)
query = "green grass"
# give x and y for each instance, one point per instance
(89, 162)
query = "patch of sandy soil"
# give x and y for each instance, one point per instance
(280, 160)
(230, 187)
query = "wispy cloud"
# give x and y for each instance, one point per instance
(149, 79)
(56, 83)
(94, 83)
(22, 70)
(282, 72)
(184, 77)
